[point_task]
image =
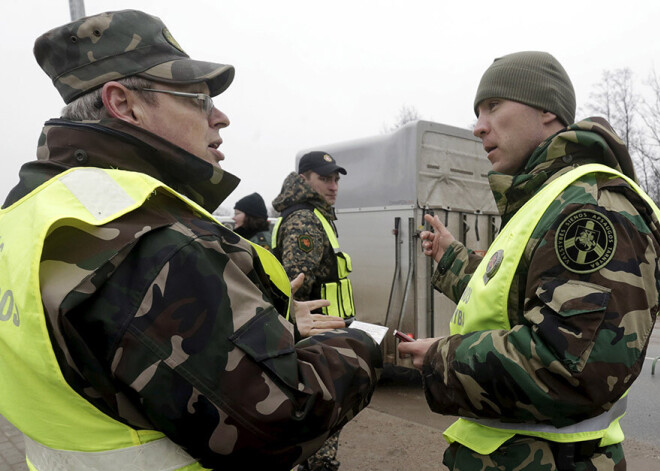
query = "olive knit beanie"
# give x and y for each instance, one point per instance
(533, 78)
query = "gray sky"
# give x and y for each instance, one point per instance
(309, 74)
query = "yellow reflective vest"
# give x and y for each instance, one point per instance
(339, 292)
(62, 429)
(483, 306)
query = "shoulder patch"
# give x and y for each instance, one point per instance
(585, 241)
(305, 243)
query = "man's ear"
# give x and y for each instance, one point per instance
(551, 122)
(547, 117)
(121, 103)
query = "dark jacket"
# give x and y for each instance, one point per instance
(165, 320)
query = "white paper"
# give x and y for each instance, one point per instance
(376, 331)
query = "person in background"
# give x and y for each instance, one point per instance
(305, 240)
(552, 325)
(251, 220)
(141, 333)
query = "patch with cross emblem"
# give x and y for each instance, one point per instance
(585, 241)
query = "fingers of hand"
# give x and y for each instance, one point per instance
(434, 221)
(316, 303)
(321, 321)
(404, 348)
(426, 235)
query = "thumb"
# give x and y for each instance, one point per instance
(296, 283)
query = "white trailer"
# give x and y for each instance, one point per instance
(392, 181)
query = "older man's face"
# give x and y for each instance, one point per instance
(183, 122)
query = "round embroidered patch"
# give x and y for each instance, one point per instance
(585, 241)
(493, 265)
(305, 243)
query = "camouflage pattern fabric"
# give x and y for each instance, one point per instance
(262, 238)
(207, 185)
(165, 321)
(302, 245)
(325, 459)
(525, 453)
(84, 54)
(578, 339)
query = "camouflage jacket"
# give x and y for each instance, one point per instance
(302, 245)
(262, 238)
(165, 320)
(564, 360)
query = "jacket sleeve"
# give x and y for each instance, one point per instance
(454, 270)
(211, 363)
(302, 241)
(581, 338)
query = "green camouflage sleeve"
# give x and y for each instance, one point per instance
(193, 347)
(219, 372)
(582, 334)
(454, 270)
(303, 244)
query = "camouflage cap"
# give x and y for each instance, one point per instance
(84, 54)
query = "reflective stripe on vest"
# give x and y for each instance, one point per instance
(340, 292)
(483, 306)
(594, 424)
(37, 399)
(273, 235)
(162, 455)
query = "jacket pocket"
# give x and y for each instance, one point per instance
(572, 313)
(268, 339)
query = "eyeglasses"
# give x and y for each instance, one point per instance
(206, 101)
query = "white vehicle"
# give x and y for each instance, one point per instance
(392, 181)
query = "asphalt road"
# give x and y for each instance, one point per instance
(398, 431)
(642, 420)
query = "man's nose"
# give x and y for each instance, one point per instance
(481, 127)
(218, 119)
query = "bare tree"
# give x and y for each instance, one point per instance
(650, 148)
(406, 115)
(635, 120)
(615, 99)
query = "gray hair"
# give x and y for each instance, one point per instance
(89, 107)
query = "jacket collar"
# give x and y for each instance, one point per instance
(590, 141)
(295, 190)
(112, 143)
